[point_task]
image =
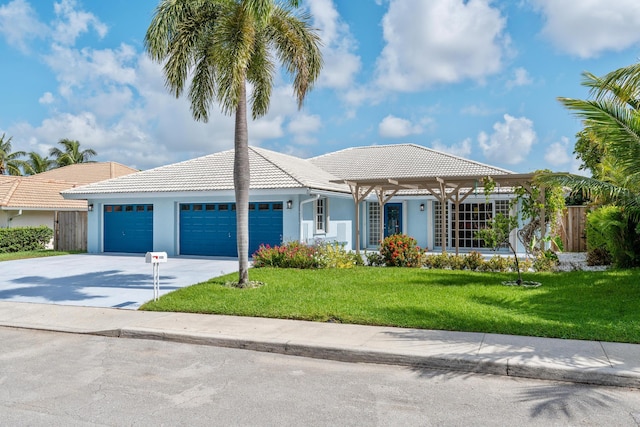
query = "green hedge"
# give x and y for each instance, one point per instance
(24, 238)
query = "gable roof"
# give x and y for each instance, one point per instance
(42, 191)
(399, 161)
(269, 170)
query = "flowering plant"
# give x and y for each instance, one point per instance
(400, 250)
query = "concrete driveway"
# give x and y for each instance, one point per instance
(118, 281)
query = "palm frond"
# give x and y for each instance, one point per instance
(298, 48)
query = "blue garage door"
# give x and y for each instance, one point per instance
(210, 228)
(128, 228)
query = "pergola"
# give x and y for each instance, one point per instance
(444, 188)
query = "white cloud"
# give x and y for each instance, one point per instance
(520, 78)
(462, 148)
(440, 41)
(587, 28)
(395, 127)
(303, 126)
(71, 22)
(510, 142)
(87, 68)
(558, 153)
(19, 24)
(340, 63)
(46, 98)
(476, 110)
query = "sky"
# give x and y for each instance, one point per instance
(476, 78)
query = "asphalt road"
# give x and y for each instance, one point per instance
(74, 380)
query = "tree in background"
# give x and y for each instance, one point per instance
(37, 164)
(10, 163)
(71, 153)
(222, 45)
(609, 147)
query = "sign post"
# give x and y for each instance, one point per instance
(155, 258)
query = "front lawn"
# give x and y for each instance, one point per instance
(603, 306)
(10, 256)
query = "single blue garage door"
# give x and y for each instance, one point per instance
(210, 228)
(128, 228)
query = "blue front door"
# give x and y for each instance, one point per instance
(392, 219)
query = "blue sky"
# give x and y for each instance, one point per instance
(477, 78)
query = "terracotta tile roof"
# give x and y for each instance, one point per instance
(399, 161)
(269, 170)
(86, 173)
(42, 191)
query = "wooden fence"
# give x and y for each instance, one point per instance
(71, 231)
(573, 229)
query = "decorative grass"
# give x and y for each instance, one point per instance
(10, 256)
(603, 306)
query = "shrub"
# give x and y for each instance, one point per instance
(24, 238)
(374, 259)
(610, 228)
(400, 250)
(545, 261)
(473, 260)
(497, 263)
(526, 264)
(438, 261)
(299, 255)
(334, 255)
(598, 256)
(456, 262)
(287, 255)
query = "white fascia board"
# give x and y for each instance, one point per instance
(280, 192)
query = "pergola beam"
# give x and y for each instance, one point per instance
(444, 188)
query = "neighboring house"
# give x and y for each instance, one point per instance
(188, 208)
(35, 200)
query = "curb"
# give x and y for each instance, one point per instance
(476, 365)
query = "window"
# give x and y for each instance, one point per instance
(374, 224)
(472, 217)
(503, 207)
(437, 233)
(321, 215)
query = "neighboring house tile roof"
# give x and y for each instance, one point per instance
(42, 191)
(86, 173)
(399, 161)
(269, 170)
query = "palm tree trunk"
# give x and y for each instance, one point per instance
(241, 180)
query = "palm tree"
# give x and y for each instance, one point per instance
(71, 153)
(9, 162)
(37, 164)
(223, 45)
(609, 144)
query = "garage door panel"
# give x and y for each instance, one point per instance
(128, 228)
(210, 229)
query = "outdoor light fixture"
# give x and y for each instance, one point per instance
(90, 207)
(421, 207)
(289, 204)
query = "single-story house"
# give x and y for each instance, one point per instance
(354, 196)
(36, 200)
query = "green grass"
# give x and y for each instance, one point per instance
(603, 306)
(10, 256)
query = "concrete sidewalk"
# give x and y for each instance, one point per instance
(591, 362)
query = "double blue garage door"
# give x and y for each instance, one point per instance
(210, 228)
(205, 228)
